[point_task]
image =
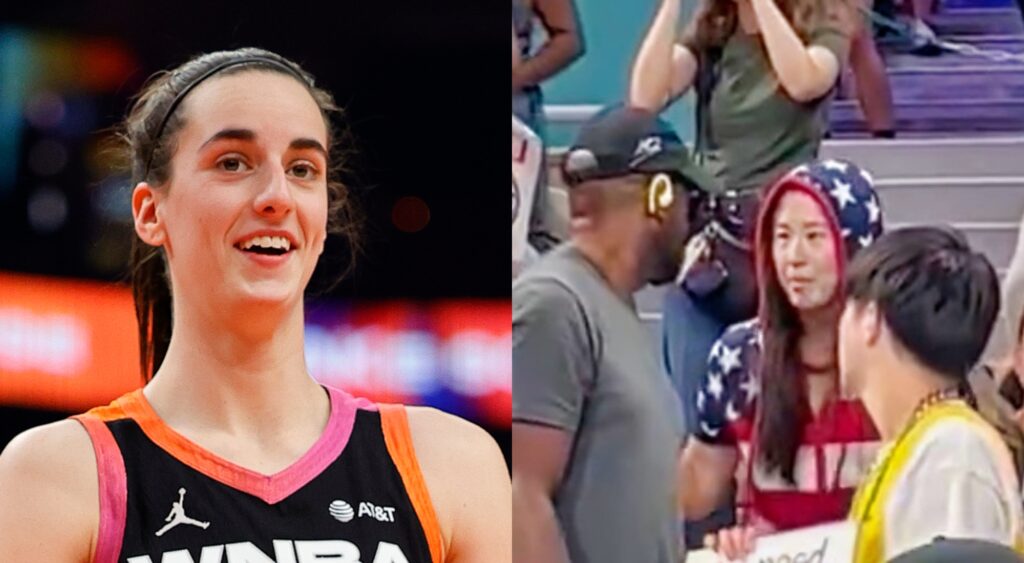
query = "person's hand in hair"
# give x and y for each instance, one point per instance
(805, 72)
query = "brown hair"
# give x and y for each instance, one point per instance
(148, 150)
(715, 21)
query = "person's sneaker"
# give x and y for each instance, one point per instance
(924, 41)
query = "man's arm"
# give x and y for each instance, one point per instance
(564, 45)
(49, 496)
(553, 363)
(539, 457)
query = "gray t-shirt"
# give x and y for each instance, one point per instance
(583, 362)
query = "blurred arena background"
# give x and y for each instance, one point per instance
(425, 318)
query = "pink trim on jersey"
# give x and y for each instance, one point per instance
(113, 489)
(270, 488)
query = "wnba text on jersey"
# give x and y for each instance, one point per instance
(285, 551)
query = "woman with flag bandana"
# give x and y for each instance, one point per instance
(769, 410)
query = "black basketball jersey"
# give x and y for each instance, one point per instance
(356, 496)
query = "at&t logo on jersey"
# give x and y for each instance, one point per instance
(285, 551)
(342, 511)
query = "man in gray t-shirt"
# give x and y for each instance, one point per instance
(596, 426)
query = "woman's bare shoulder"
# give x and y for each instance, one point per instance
(50, 492)
(468, 482)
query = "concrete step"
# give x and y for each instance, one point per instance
(1013, 42)
(958, 156)
(952, 200)
(947, 5)
(978, 21)
(895, 59)
(961, 115)
(982, 81)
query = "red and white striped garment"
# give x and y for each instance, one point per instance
(837, 447)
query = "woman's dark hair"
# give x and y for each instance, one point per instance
(715, 20)
(148, 141)
(937, 296)
(783, 408)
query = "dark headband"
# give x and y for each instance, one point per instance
(188, 88)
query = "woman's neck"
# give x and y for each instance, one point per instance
(818, 339)
(817, 349)
(244, 373)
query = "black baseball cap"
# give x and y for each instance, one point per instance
(621, 140)
(944, 550)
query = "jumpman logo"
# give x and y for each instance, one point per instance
(177, 516)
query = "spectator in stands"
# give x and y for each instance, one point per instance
(921, 305)
(773, 74)
(762, 71)
(873, 90)
(596, 428)
(769, 409)
(563, 46)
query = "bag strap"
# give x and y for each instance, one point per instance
(707, 78)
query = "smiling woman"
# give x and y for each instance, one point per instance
(232, 449)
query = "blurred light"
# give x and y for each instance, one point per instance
(105, 64)
(47, 209)
(410, 214)
(81, 117)
(112, 199)
(480, 362)
(71, 345)
(47, 157)
(16, 65)
(51, 343)
(45, 110)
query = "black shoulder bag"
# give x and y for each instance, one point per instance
(720, 277)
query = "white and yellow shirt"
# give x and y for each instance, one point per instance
(949, 474)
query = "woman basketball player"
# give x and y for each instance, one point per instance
(232, 452)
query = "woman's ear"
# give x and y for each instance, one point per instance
(148, 225)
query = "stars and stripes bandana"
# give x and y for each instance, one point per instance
(851, 192)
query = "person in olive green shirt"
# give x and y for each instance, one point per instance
(766, 115)
(766, 108)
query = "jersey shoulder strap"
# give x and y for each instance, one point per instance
(398, 438)
(113, 485)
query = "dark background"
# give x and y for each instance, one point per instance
(417, 81)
